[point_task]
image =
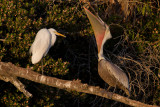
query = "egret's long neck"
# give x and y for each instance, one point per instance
(53, 39)
(106, 37)
(53, 36)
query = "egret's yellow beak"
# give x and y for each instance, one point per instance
(59, 34)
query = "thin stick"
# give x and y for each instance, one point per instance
(3, 40)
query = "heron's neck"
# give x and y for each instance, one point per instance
(100, 54)
(106, 37)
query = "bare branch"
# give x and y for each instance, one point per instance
(10, 71)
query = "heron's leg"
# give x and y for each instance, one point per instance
(111, 93)
(108, 88)
(110, 96)
(114, 89)
(42, 65)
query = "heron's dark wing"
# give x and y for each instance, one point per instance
(113, 75)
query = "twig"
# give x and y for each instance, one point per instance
(3, 40)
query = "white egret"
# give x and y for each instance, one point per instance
(44, 40)
(108, 71)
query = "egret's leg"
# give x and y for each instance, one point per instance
(42, 65)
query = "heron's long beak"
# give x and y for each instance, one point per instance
(59, 34)
(99, 27)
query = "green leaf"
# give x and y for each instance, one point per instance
(143, 9)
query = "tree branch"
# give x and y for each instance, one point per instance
(9, 73)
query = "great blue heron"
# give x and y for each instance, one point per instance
(109, 72)
(44, 40)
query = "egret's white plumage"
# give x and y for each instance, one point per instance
(44, 40)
